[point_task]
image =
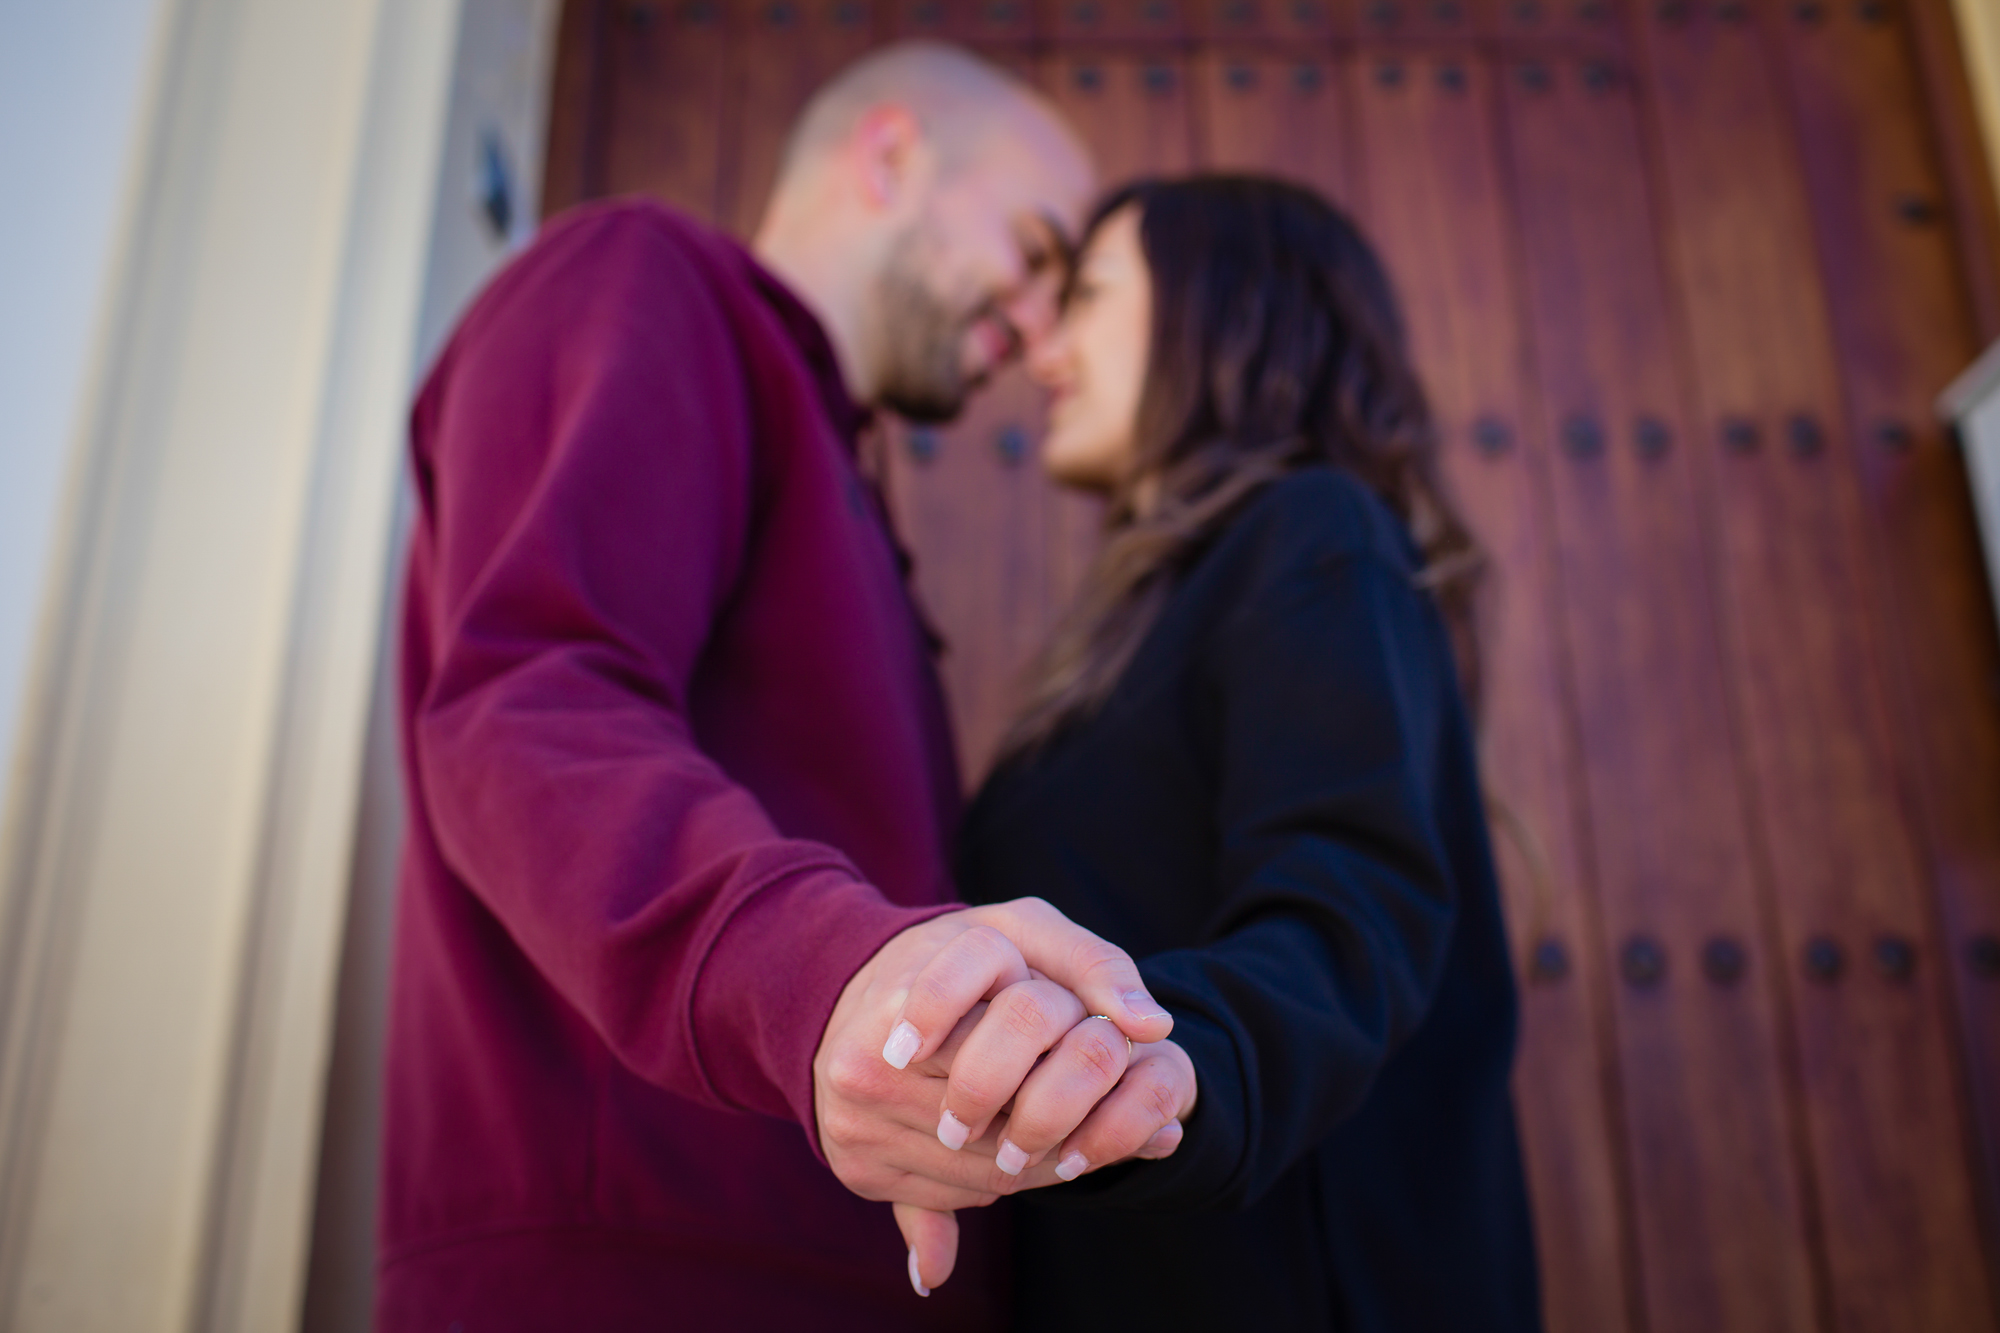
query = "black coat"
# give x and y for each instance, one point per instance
(1278, 812)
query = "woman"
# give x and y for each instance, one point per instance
(1245, 757)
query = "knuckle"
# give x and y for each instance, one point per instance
(970, 1088)
(1104, 1059)
(1025, 1015)
(1161, 1100)
(844, 1073)
(1095, 955)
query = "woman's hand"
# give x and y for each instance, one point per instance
(1095, 1097)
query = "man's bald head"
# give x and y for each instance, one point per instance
(923, 210)
(956, 98)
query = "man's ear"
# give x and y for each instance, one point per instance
(888, 147)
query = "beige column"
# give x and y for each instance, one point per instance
(173, 871)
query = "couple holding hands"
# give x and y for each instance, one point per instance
(686, 987)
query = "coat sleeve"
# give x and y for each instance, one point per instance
(1332, 692)
(585, 470)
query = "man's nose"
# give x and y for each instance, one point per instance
(1034, 308)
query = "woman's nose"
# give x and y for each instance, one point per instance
(1047, 354)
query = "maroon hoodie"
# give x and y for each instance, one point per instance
(678, 765)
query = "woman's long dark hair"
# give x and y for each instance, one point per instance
(1276, 345)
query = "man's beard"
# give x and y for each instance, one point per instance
(923, 369)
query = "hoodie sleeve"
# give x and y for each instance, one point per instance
(585, 474)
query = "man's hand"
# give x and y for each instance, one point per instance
(879, 1081)
(876, 1095)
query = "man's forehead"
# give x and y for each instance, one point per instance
(1043, 177)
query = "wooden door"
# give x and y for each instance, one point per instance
(1683, 279)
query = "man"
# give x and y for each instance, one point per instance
(675, 932)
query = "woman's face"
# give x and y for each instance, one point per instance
(1094, 361)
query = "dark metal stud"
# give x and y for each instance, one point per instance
(1810, 12)
(927, 14)
(1741, 436)
(1389, 76)
(1451, 78)
(1894, 436)
(1012, 445)
(1982, 953)
(1825, 960)
(1159, 80)
(1307, 79)
(1593, 12)
(1085, 13)
(700, 14)
(781, 15)
(1896, 957)
(1241, 77)
(1918, 211)
(1805, 437)
(848, 15)
(1599, 77)
(1673, 13)
(1003, 13)
(1733, 12)
(1643, 962)
(1156, 12)
(1582, 437)
(1239, 13)
(923, 444)
(1535, 78)
(1723, 961)
(1447, 13)
(1088, 78)
(1491, 436)
(1654, 438)
(1875, 13)
(1549, 961)
(642, 17)
(1527, 13)
(496, 184)
(1383, 14)
(1305, 13)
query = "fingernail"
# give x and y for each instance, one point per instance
(1010, 1159)
(902, 1044)
(1142, 1006)
(916, 1278)
(1165, 1139)
(952, 1132)
(1071, 1166)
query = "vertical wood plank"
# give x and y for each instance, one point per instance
(663, 103)
(1273, 112)
(1888, 1128)
(780, 53)
(1440, 219)
(1903, 328)
(573, 148)
(1722, 1217)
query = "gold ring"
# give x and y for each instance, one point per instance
(1107, 1018)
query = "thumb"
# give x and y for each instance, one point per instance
(1100, 973)
(933, 1241)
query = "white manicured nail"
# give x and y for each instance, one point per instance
(1071, 1166)
(1010, 1159)
(916, 1278)
(952, 1132)
(902, 1044)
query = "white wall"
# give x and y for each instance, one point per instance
(73, 76)
(499, 89)
(173, 876)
